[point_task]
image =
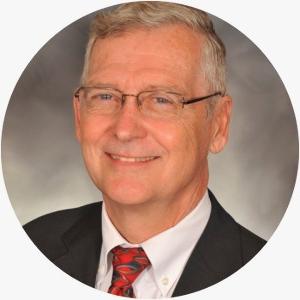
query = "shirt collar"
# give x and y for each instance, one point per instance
(177, 241)
(111, 237)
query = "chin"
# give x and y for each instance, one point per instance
(127, 194)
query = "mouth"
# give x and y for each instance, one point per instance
(131, 159)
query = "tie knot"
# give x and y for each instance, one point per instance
(127, 263)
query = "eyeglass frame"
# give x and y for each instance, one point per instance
(183, 102)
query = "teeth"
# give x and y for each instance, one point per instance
(132, 159)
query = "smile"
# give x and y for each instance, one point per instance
(132, 159)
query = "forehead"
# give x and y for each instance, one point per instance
(172, 50)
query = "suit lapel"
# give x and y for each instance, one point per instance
(216, 254)
(83, 243)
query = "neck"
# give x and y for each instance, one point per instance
(139, 222)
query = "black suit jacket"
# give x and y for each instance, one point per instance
(72, 240)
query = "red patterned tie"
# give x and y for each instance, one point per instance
(128, 263)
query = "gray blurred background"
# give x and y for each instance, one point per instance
(253, 178)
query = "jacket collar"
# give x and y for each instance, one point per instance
(216, 254)
(83, 243)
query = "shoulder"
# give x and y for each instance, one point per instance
(60, 220)
(250, 243)
(239, 239)
(223, 248)
(47, 231)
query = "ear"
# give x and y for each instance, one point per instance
(220, 124)
(76, 109)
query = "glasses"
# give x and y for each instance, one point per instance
(157, 103)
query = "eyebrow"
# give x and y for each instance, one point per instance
(169, 88)
(102, 85)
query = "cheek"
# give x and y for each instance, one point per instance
(168, 134)
(185, 132)
(197, 137)
(92, 129)
(179, 140)
(92, 139)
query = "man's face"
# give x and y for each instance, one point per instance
(133, 158)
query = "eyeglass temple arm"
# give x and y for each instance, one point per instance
(76, 93)
(201, 98)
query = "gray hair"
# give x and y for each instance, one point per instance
(152, 14)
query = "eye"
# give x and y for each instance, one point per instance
(96, 95)
(104, 96)
(162, 100)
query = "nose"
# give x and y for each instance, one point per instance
(128, 124)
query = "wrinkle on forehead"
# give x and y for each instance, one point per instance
(174, 50)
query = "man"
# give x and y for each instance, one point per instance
(151, 105)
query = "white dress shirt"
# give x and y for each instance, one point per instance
(167, 251)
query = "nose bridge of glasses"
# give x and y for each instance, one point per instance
(124, 96)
